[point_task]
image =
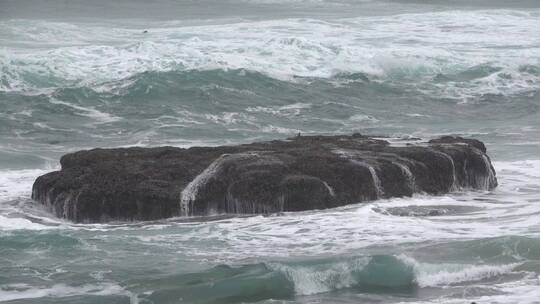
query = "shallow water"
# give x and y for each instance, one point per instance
(80, 75)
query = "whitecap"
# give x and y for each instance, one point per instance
(23, 291)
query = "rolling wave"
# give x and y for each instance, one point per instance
(398, 49)
(277, 280)
(194, 107)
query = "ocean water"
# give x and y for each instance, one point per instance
(82, 74)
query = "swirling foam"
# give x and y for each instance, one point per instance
(22, 291)
(410, 48)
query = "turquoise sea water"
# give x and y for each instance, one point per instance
(83, 74)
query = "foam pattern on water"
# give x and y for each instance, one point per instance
(25, 292)
(410, 48)
(65, 86)
(492, 214)
(495, 217)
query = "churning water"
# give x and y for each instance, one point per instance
(83, 74)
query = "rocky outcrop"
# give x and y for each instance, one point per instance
(301, 173)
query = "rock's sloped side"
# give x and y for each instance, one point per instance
(302, 173)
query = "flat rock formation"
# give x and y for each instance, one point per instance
(301, 173)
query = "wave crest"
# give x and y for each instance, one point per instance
(383, 47)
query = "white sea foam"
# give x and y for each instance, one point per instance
(524, 291)
(281, 130)
(21, 291)
(229, 118)
(506, 211)
(334, 275)
(15, 192)
(511, 211)
(17, 223)
(313, 280)
(189, 194)
(17, 183)
(291, 110)
(441, 274)
(362, 117)
(99, 116)
(431, 51)
(529, 168)
(405, 47)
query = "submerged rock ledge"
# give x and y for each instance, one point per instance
(301, 173)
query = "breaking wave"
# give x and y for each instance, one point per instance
(280, 280)
(406, 52)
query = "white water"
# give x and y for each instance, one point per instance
(333, 276)
(477, 246)
(405, 46)
(375, 179)
(23, 291)
(511, 209)
(189, 194)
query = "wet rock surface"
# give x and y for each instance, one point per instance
(301, 173)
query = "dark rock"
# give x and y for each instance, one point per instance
(301, 173)
(456, 140)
